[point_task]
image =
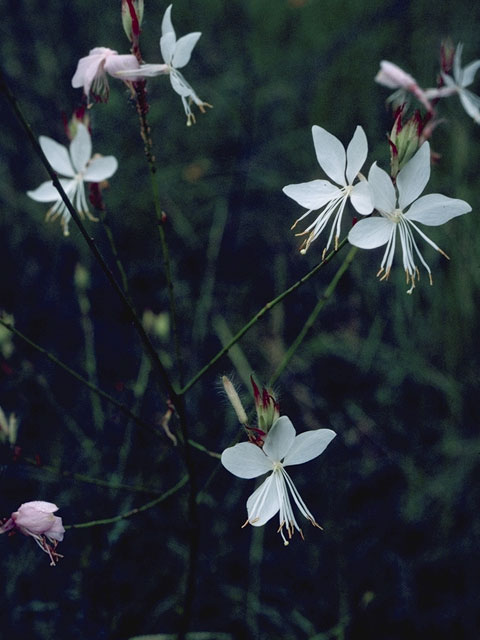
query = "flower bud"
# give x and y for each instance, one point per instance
(266, 407)
(131, 24)
(235, 401)
(404, 140)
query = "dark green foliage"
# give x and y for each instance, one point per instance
(395, 376)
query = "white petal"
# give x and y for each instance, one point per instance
(436, 209)
(179, 84)
(46, 192)
(184, 48)
(471, 104)
(357, 151)
(330, 154)
(57, 155)
(457, 63)
(100, 169)
(312, 195)
(144, 71)
(167, 46)
(309, 445)
(167, 25)
(381, 186)
(279, 439)
(468, 73)
(263, 504)
(371, 233)
(246, 460)
(361, 198)
(81, 148)
(413, 178)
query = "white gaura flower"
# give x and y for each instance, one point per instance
(400, 211)
(281, 449)
(91, 72)
(462, 78)
(78, 166)
(176, 55)
(343, 168)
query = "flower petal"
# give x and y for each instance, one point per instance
(46, 192)
(279, 439)
(144, 71)
(471, 104)
(167, 46)
(167, 26)
(413, 178)
(371, 233)
(100, 169)
(57, 155)
(81, 148)
(89, 66)
(246, 460)
(127, 62)
(468, 73)
(312, 195)
(357, 151)
(361, 198)
(435, 209)
(382, 189)
(330, 154)
(264, 503)
(179, 84)
(308, 445)
(184, 48)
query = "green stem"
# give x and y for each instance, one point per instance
(113, 247)
(81, 477)
(161, 218)
(121, 407)
(89, 341)
(259, 315)
(132, 512)
(147, 345)
(313, 316)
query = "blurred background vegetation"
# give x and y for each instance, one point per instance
(395, 376)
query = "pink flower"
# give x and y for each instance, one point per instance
(36, 519)
(391, 76)
(92, 69)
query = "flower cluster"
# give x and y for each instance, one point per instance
(391, 202)
(92, 69)
(36, 519)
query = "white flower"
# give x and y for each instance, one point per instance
(433, 210)
(462, 78)
(91, 71)
(343, 168)
(176, 55)
(78, 166)
(281, 449)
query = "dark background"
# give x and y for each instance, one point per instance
(396, 376)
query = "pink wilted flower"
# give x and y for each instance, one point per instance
(393, 77)
(91, 72)
(36, 519)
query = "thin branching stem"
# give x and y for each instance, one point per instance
(259, 315)
(132, 512)
(327, 294)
